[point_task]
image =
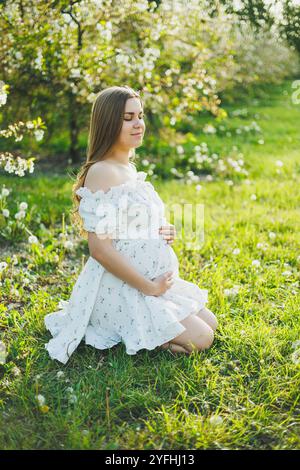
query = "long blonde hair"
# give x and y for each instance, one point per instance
(105, 126)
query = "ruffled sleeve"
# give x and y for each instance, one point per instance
(99, 214)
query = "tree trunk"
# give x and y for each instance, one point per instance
(74, 153)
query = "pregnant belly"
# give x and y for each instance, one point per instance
(151, 257)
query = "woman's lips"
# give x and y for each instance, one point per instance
(136, 135)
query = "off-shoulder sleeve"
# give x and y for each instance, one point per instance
(98, 214)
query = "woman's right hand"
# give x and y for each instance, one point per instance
(160, 284)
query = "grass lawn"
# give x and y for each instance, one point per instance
(243, 393)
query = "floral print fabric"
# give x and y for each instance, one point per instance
(103, 309)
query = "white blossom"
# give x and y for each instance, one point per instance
(39, 134)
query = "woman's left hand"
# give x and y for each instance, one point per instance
(168, 232)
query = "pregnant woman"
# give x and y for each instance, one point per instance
(129, 290)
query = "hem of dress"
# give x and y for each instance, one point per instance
(178, 329)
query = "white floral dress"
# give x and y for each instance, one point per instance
(105, 310)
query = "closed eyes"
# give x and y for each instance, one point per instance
(141, 116)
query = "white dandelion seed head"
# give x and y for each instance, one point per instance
(32, 239)
(296, 344)
(216, 420)
(255, 263)
(41, 399)
(23, 206)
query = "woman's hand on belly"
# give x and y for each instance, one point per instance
(168, 232)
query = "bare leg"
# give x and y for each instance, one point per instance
(206, 315)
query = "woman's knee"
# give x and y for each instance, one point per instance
(202, 342)
(198, 334)
(209, 317)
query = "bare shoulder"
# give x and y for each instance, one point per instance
(101, 176)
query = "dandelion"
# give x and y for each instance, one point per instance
(14, 292)
(296, 357)
(14, 260)
(296, 344)
(38, 133)
(32, 239)
(68, 245)
(73, 398)
(4, 192)
(198, 187)
(5, 212)
(229, 182)
(20, 215)
(272, 235)
(209, 129)
(216, 420)
(23, 206)
(255, 263)
(236, 251)
(262, 246)
(70, 390)
(253, 197)
(279, 163)
(60, 374)
(287, 273)
(16, 371)
(232, 292)
(41, 400)
(261, 141)
(85, 432)
(3, 266)
(3, 353)
(44, 409)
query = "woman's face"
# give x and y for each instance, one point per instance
(133, 128)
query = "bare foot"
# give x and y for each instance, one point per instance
(172, 347)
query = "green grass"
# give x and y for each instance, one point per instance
(155, 400)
